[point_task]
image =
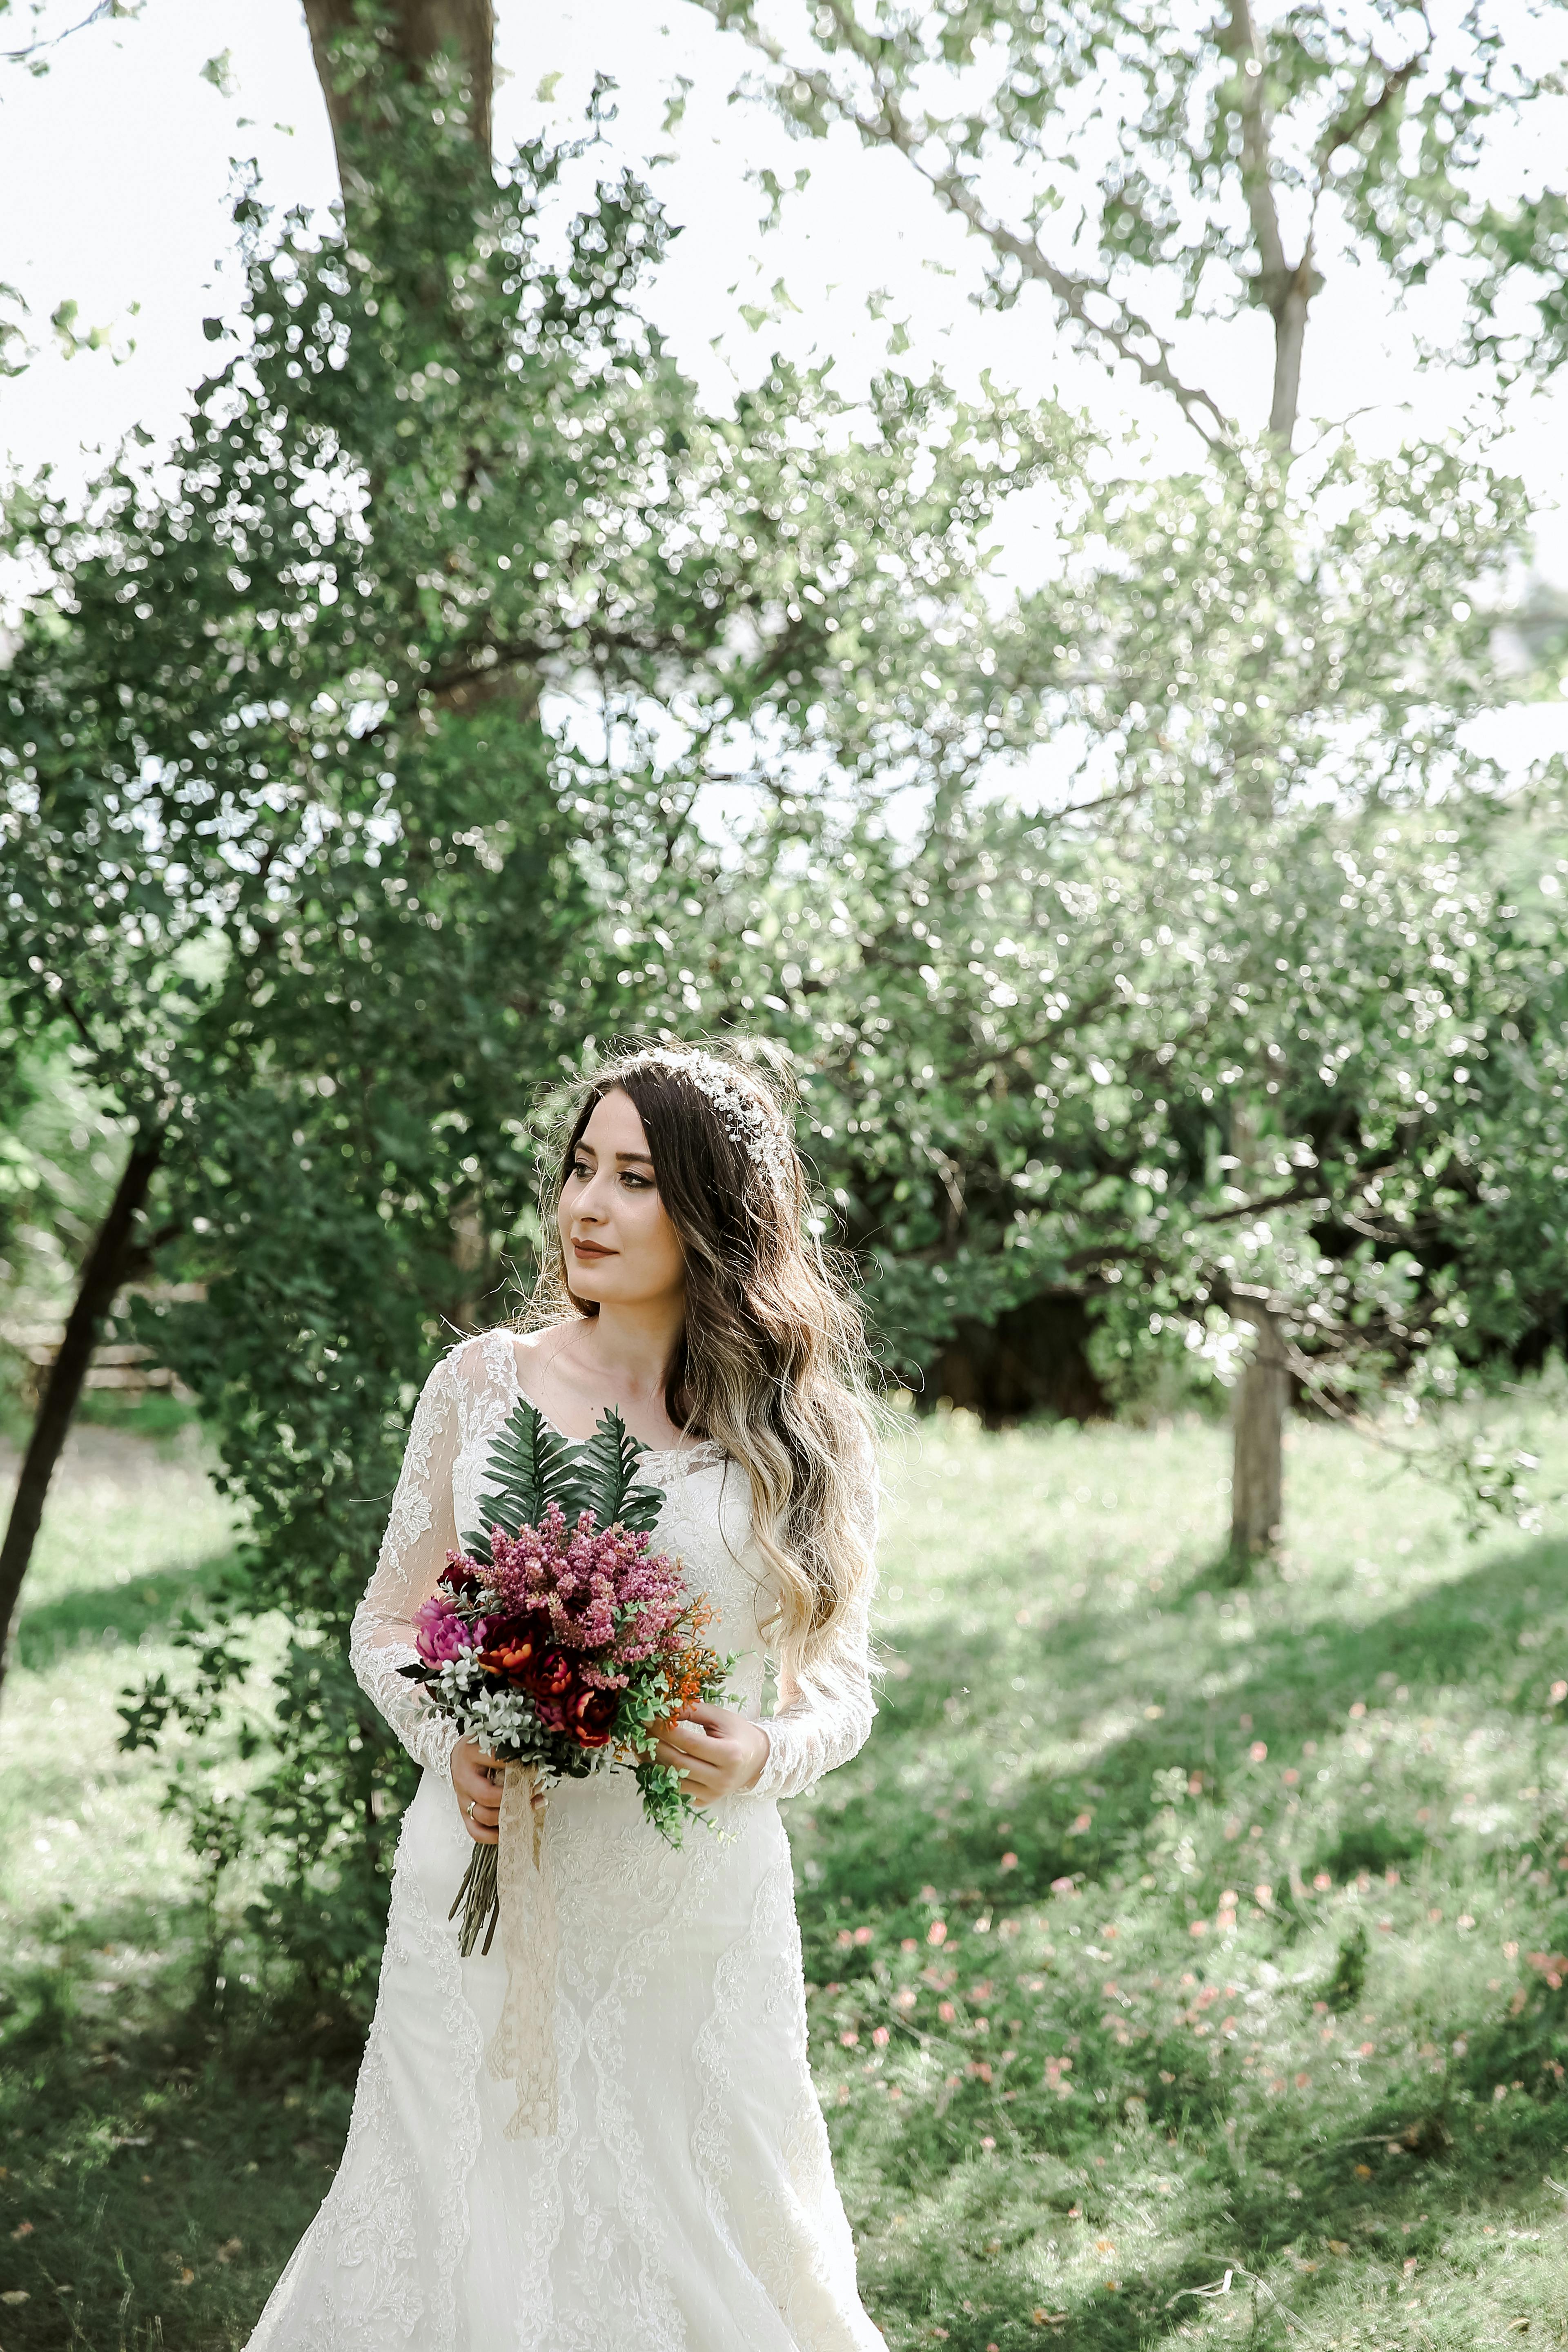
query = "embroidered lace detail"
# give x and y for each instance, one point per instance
(364, 2277)
(420, 1532)
(794, 2243)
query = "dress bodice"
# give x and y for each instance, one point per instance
(706, 1521)
(826, 1704)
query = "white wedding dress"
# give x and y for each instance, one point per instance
(686, 2202)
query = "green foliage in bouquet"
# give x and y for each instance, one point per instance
(534, 1465)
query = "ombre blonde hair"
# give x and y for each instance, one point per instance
(771, 1363)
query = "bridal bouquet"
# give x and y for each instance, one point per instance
(558, 1640)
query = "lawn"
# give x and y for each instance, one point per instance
(1186, 1963)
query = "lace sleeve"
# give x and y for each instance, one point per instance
(825, 1710)
(420, 1532)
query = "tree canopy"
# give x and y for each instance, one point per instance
(458, 693)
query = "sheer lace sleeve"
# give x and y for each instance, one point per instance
(419, 1533)
(825, 1710)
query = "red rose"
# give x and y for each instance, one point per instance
(512, 1645)
(459, 1579)
(591, 1717)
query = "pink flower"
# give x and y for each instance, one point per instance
(602, 1589)
(441, 1632)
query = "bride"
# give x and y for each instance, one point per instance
(685, 2200)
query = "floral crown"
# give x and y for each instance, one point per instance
(749, 1119)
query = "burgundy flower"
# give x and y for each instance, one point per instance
(549, 1674)
(459, 1577)
(591, 1717)
(512, 1645)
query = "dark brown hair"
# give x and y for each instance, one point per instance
(772, 1363)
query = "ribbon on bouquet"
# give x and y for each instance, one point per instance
(522, 2049)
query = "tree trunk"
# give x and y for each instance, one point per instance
(100, 1278)
(1289, 334)
(420, 30)
(1257, 1428)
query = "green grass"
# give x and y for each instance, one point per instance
(1070, 2084)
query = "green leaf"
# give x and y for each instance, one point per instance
(532, 1466)
(610, 1461)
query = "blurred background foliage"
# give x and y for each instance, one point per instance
(359, 755)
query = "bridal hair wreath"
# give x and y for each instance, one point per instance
(752, 1119)
(772, 1365)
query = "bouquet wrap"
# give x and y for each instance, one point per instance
(522, 2049)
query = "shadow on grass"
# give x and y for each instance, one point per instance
(1407, 2171)
(160, 2163)
(112, 1616)
(1298, 1683)
(1329, 2191)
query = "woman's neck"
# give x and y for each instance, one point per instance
(625, 1350)
(614, 1358)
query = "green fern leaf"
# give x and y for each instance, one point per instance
(610, 1475)
(531, 1466)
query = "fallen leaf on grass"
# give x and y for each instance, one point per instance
(23, 2230)
(1338, 2246)
(14, 2295)
(227, 2250)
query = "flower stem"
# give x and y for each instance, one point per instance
(480, 1900)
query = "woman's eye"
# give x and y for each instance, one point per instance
(641, 1183)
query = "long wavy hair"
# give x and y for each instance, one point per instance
(772, 1363)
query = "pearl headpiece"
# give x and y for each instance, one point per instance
(749, 1119)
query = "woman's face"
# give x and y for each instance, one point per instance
(620, 1245)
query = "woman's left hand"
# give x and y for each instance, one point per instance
(714, 1750)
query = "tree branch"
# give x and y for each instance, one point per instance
(1239, 40)
(890, 127)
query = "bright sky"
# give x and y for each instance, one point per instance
(114, 168)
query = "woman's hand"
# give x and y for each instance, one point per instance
(714, 1750)
(477, 1778)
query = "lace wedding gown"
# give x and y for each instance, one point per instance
(686, 2202)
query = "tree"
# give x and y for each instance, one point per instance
(450, 42)
(1140, 172)
(1020, 1034)
(362, 903)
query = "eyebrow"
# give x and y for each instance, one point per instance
(644, 1157)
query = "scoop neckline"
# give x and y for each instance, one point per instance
(709, 1445)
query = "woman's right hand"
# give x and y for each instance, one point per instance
(476, 1778)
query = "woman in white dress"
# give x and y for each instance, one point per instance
(685, 2200)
